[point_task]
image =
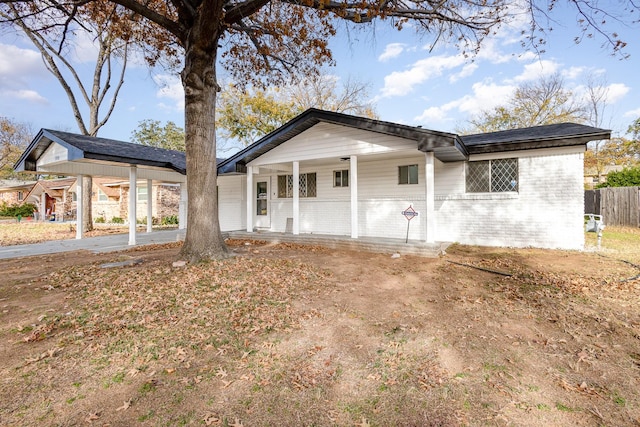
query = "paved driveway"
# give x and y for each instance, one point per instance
(113, 242)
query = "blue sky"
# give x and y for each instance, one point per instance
(438, 89)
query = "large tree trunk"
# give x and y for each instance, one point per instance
(203, 239)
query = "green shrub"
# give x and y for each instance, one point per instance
(628, 177)
(117, 220)
(170, 220)
(100, 220)
(23, 210)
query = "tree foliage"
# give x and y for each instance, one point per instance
(152, 133)
(247, 114)
(542, 102)
(265, 41)
(14, 138)
(628, 177)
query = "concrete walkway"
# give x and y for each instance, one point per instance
(110, 243)
(119, 242)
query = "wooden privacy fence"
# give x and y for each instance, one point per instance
(617, 205)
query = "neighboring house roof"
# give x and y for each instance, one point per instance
(447, 147)
(94, 148)
(15, 185)
(53, 187)
(547, 136)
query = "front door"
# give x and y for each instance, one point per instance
(263, 216)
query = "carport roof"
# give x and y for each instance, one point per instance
(101, 156)
(95, 148)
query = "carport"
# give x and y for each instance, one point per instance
(63, 153)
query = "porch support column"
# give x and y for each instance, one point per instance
(182, 206)
(249, 199)
(429, 200)
(149, 205)
(353, 184)
(79, 210)
(296, 198)
(133, 191)
(43, 206)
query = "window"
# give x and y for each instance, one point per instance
(492, 176)
(307, 185)
(102, 197)
(142, 194)
(20, 196)
(408, 174)
(341, 178)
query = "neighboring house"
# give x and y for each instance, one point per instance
(57, 198)
(13, 192)
(591, 178)
(335, 174)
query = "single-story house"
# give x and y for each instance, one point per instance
(334, 174)
(13, 191)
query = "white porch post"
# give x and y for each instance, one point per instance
(249, 199)
(133, 191)
(79, 211)
(43, 206)
(296, 198)
(182, 206)
(429, 200)
(353, 184)
(149, 205)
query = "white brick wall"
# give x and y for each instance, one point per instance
(545, 212)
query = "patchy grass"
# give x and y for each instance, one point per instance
(291, 335)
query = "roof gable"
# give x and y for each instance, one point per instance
(447, 146)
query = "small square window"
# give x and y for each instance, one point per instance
(142, 194)
(341, 178)
(102, 197)
(408, 174)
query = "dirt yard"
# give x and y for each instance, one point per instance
(290, 336)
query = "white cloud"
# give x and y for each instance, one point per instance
(23, 95)
(573, 73)
(536, 70)
(467, 70)
(632, 113)
(19, 64)
(392, 50)
(85, 49)
(401, 83)
(485, 96)
(616, 91)
(170, 88)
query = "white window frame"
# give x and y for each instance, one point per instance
(408, 174)
(339, 178)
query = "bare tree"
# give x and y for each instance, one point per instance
(56, 46)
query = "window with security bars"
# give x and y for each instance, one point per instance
(492, 176)
(307, 185)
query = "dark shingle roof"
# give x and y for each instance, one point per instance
(94, 148)
(547, 136)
